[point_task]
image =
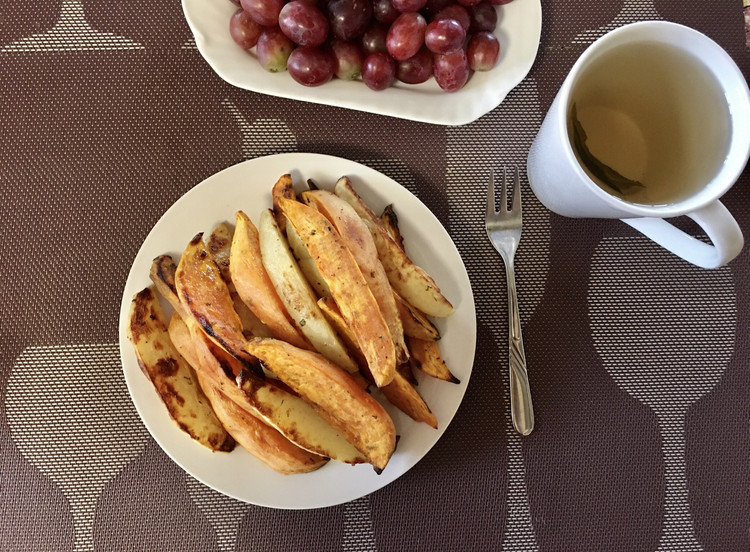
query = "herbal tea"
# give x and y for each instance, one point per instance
(649, 123)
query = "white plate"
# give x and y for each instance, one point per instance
(518, 29)
(247, 186)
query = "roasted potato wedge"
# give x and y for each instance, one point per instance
(219, 244)
(204, 294)
(171, 375)
(415, 323)
(425, 356)
(306, 263)
(258, 438)
(254, 286)
(348, 287)
(284, 187)
(361, 245)
(293, 417)
(409, 280)
(162, 273)
(297, 295)
(334, 394)
(404, 396)
(390, 221)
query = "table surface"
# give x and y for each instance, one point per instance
(638, 361)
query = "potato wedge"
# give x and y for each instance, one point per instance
(306, 263)
(206, 297)
(219, 244)
(409, 280)
(162, 273)
(334, 394)
(348, 287)
(361, 245)
(297, 295)
(284, 187)
(390, 221)
(172, 376)
(271, 402)
(415, 323)
(404, 396)
(258, 438)
(425, 356)
(254, 286)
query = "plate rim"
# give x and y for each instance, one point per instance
(135, 380)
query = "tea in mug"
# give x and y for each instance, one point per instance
(649, 123)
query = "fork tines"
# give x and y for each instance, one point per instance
(492, 208)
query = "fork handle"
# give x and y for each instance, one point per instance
(521, 409)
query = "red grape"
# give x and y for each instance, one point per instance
(347, 59)
(408, 5)
(444, 36)
(373, 39)
(434, 6)
(349, 18)
(483, 51)
(383, 11)
(457, 12)
(273, 49)
(303, 23)
(264, 12)
(416, 69)
(310, 66)
(378, 71)
(244, 30)
(451, 71)
(499, 2)
(468, 2)
(406, 35)
(483, 18)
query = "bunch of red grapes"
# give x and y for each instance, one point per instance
(379, 41)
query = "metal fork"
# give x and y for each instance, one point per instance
(504, 230)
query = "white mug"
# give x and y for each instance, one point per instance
(699, 132)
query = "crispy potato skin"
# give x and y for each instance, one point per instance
(335, 395)
(425, 356)
(415, 323)
(348, 287)
(259, 439)
(172, 376)
(284, 188)
(255, 287)
(404, 396)
(409, 280)
(204, 294)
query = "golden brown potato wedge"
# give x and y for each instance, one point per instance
(297, 295)
(361, 245)
(425, 356)
(293, 417)
(415, 323)
(390, 221)
(171, 375)
(334, 394)
(254, 435)
(219, 244)
(403, 395)
(254, 286)
(162, 273)
(204, 294)
(409, 280)
(348, 287)
(284, 187)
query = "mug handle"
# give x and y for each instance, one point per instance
(718, 223)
